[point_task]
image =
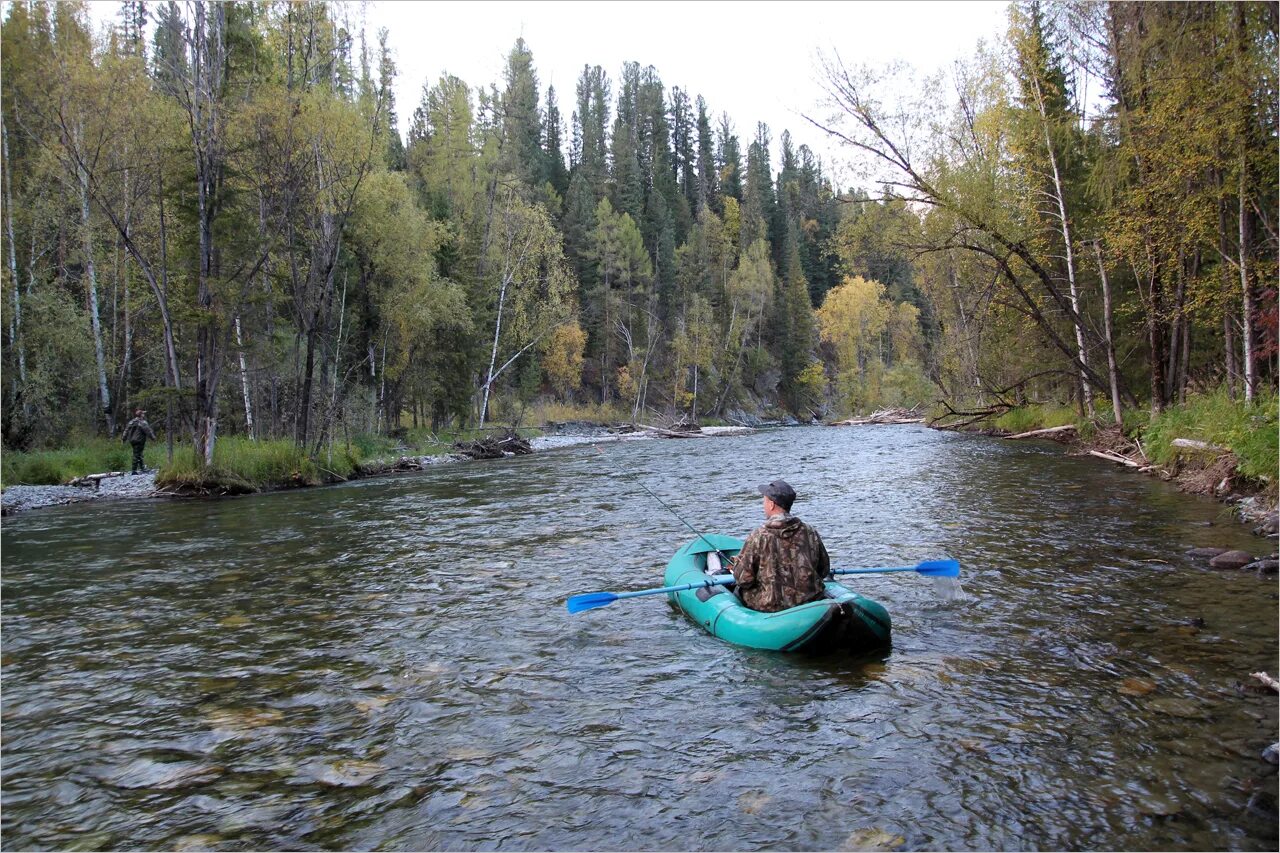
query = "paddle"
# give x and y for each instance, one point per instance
(592, 600)
(929, 568)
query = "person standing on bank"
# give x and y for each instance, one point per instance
(136, 432)
(783, 562)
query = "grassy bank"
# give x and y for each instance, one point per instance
(239, 465)
(1250, 432)
(91, 456)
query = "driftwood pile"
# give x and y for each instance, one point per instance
(404, 463)
(885, 416)
(495, 446)
(680, 429)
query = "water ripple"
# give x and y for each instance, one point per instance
(388, 664)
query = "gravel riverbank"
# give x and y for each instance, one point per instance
(133, 486)
(20, 498)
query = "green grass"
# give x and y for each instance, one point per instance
(241, 465)
(54, 467)
(1035, 416)
(1249, 431)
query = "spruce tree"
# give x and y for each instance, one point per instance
(557, 174)
(386, 90)
(521, 124)
(708, 186)
(729, 161)
(685, 160)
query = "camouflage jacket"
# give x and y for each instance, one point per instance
(137, 431)
(782, 564)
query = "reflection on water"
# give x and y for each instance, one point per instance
(389, 664)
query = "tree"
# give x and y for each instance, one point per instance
(852, 319)
(1049, 153)
(522, 152)
(620, 307)
(531, 287)
(557, 174)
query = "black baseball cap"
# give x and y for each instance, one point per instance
(780, 492)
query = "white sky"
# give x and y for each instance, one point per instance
(754, 59)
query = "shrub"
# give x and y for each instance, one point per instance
(1249, 431)
(52, 467)
(240, 464)
(1035, 416)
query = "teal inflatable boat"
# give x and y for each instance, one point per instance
(842, 622)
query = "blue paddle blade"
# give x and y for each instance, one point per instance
(590, 600)
(939, 568)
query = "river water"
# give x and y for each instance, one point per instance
(388, 664)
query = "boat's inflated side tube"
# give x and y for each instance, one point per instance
(843, 620)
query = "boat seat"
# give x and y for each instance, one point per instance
(715, 566)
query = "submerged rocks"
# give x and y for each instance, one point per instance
(1221, 558)
(1267, 566)
(1231, 560)
(1269, 527)
(146, 773)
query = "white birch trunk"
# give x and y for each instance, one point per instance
(15, 321)
(91, 276)
(244, 383)
(1113, 374)
(1065, 227)
(1250, 369)
(493, 354)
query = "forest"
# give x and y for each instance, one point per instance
(209, 212)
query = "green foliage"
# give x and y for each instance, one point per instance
(339, 278)
(905, 386)
(243, 465)
(54, 467)
(1035, 416)
(369, 445)
(1248, 430)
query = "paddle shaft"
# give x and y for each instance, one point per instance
(713, 580)
(945, 568)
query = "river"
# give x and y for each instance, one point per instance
(388, 664)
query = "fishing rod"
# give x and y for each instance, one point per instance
(723, 556)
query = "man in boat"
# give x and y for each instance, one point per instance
(783, 562)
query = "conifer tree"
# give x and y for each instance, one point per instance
(386, 92)
(708, 185)
(521, 123)
(682, 143)
(728, 160)
(557, 174)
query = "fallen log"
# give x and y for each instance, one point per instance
(495, 447)
(94, 480)
(1115, 457)
(1044, 433)
(1193, 444)
(672, 433)
(884, 416)
(1267, 680)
